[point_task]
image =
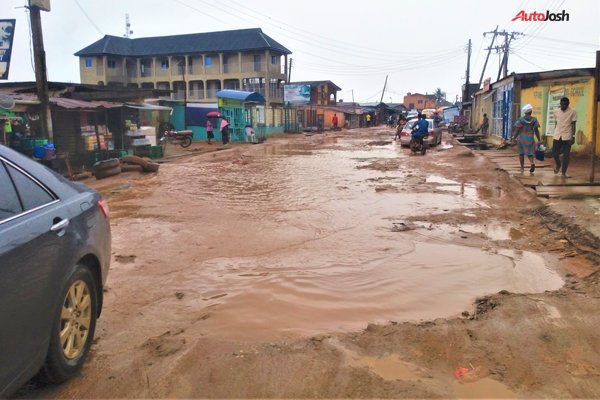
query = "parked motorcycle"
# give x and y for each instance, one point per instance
(182, 138)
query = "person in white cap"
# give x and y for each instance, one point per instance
(525, 129)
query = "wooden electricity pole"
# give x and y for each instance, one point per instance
(595, 115)
(41, 77)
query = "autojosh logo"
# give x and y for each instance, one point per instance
(540, 16)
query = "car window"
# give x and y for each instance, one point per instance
(31, 193)
(410, 123)
(9, 201)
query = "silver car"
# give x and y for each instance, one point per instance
(54, 257)
(434, 137)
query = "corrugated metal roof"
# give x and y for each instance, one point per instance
(64, 102)
(241, 95)
(208, 42)
(315, 83)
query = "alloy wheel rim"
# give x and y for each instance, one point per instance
(75, 319)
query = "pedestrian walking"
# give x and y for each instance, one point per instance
(224, 131)
(334, 122)
(209, 131)
(564, 136)
(401, 123)
(368, 120)
(525, 129)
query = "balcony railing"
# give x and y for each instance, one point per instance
(276, 93)
(232, 68)
(196, 94)
(196, 69)
(177, 70)
(162, 72)
(211, 93)
(178, 96)
(114, 72)
(146, 72)
(252, 67)
(276, 69)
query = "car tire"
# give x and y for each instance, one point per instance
(105, 173)
(76, 319)
(150, 167)
(106, 164)
(135, 160)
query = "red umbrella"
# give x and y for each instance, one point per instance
(214, 114)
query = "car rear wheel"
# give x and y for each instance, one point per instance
(73, 327)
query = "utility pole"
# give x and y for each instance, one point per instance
(489, 49)
(290, 71)
(352, 95)
(467, 84)
(595, 115)
(508, 37)
(41, 77)
(383, 92)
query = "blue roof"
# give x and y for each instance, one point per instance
(195, 43)
(241, 95)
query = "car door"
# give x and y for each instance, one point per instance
(33, 238)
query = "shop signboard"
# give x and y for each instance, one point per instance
(296, 94)
(7, 32)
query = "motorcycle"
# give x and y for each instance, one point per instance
(418, 145)
(182, 138)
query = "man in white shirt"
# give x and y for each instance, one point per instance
(564, 135)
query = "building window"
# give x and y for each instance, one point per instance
(111, 64)
(257, 66)
(208, 61)
(164, 64)
(274, 60)
(88, 62)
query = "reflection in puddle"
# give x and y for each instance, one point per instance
(389, 368)
(485, 388)
(440, 179)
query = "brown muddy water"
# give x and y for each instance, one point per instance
(299, 239)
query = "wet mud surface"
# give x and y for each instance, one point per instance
(339, 265)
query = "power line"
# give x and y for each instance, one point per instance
(88, 18)
(527, 61)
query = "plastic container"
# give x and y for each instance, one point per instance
(156, 152)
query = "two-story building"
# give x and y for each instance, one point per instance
(193, 66)
(418, 101)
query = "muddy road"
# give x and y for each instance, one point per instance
(338, 265)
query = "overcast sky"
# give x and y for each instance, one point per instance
(419, 45)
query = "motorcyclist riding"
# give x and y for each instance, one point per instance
(420, 128)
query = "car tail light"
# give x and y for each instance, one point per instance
(404, 133)
(103, 204)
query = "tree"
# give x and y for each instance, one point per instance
(440, 97)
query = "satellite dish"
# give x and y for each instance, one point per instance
(6, 102)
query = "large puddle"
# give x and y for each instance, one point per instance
(329, 259)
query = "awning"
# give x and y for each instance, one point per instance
(241, 95)
(148, 107)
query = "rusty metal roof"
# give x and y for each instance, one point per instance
(73, 104)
